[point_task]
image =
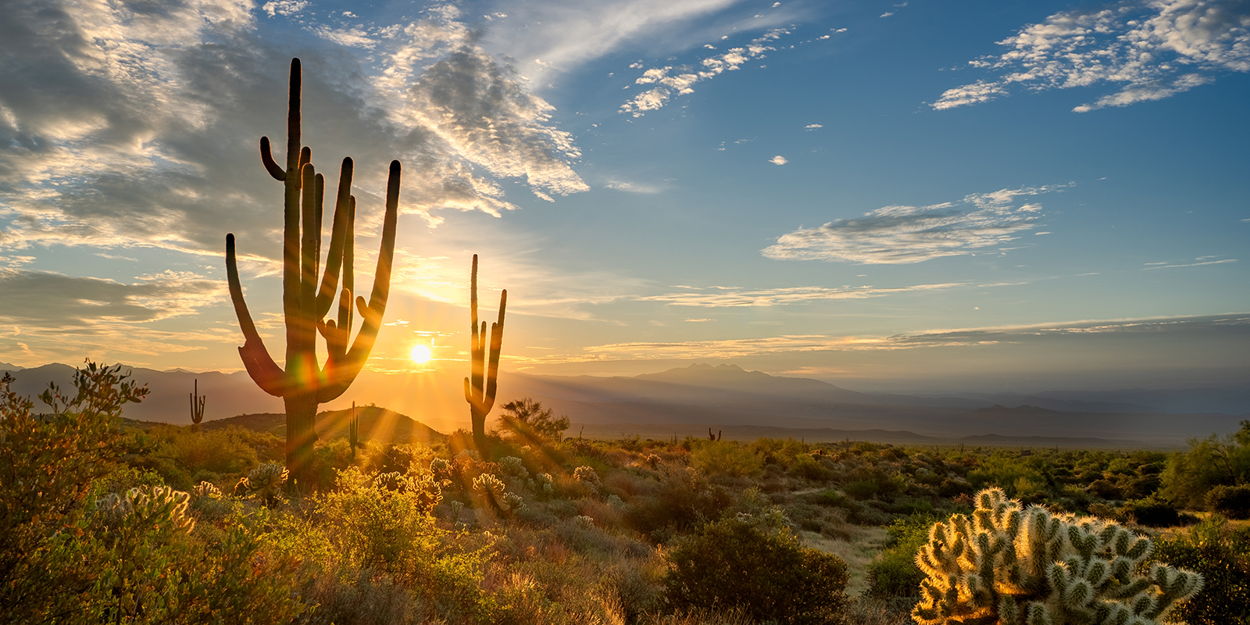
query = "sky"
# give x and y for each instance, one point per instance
(910, 194)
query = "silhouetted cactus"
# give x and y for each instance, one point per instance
(353, 431)
(714, 437)
(482, 383)
(303, 383)
(1007, 565)
(197, 406)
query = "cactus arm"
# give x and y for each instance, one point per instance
(476, 337)
(496, 346)
(266, 158)
(339, 230)
(256, 359)
(308, 243)
(341, 372)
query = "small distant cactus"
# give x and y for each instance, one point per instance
(146, 507)
(197, 406)
(206, 489)
(495, 493)
(353, 431)
(264, 483)
(586, 475)
(1007, 565)
(514, 467)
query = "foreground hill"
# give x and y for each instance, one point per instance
(375, 423)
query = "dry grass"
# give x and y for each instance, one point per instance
(858, 550)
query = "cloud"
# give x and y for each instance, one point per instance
(980, 222)
(673, 81)
(732, 297)
(625, 186)
(958, 338)
(1147, 49)
(1198, 262)
(53, 300)
(778, 160)
(128, 125)
(813, 126)
(284, 7)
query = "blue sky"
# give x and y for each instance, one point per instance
(883, 194)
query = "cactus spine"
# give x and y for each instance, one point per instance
(303, 383)
(481, 385)
(197, 406)
(1007, 565)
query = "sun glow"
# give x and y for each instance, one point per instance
(421, 354)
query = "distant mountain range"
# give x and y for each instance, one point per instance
(687, 400)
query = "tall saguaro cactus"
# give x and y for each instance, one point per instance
(303, 383)
(482, 383)
(197, 406)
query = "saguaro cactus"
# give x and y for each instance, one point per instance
(303, 383)
(1012, 566)
(353, 431)
(197, 406)
(482, 383)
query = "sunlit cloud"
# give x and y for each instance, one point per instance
(730, 297)
(670, 81)
(1201, 261)
(1147, 49)
(979, 223)
(730, 348)
(778, 160)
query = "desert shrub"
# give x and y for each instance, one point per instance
(894, 572)
(383, 523)
(1222, 556)
(48, 465)
(1230, 501)
(1206, 464)
(1152, 512)
(680, 500)
(527, 420)
(758, 567)
(726, 458)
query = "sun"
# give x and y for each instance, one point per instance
(421, 354)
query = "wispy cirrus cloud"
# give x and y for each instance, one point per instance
(1201, 261)
(1148, 49)
(734, 297)
(670, 81)
(1238, 323)
(980, 222)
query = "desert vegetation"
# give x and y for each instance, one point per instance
(106, 520)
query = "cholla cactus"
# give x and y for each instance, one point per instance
(147, 507)
(495, 493)
(586, 475)
(544, 483)
(423, 488)
(512, 466)
(264, 483)
(206, 489)
(1007, 565)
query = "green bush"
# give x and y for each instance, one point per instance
(894, 572)
(726, 458)
(1230, 501)
(1222, 557)
(756, 566)
(1153, 512)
